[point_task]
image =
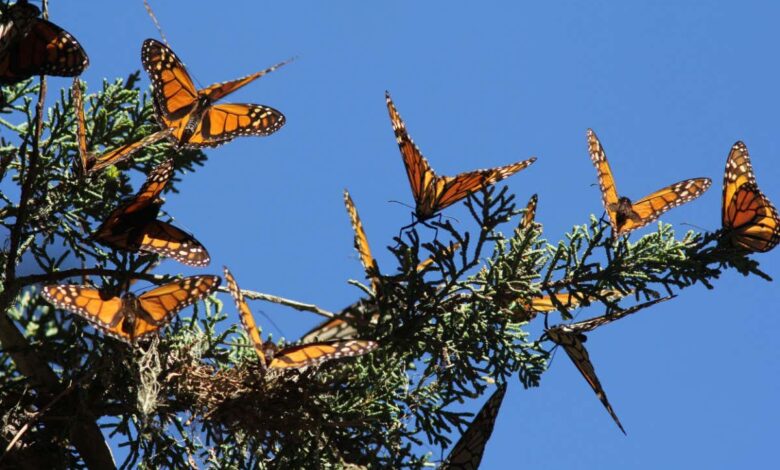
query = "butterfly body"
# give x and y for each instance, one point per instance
(750, 221)
(131, 317)
(626, 216)
(192, 115)
(33, 46)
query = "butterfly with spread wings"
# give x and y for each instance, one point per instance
(468, 451)
(572, 338)
(750, 221)
(133, 226)
(294, 357)
(195, 121)
(626, 216)
(131, 317)
(432, 192)
(91, 163)
(32, 46)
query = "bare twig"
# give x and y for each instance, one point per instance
(253, 295)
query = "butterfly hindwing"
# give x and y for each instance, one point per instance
(312, 354)
(749, 219)
(468, 451)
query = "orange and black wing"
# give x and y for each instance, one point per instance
(529, 216)
(220, 90)
(17, 20)
(245, 314)
(609, 194)
(46, 49)
(81, 126)
(123, 152)
(306, 355)
(651, 207)
(361, 244)
(427, 262)
(162, 303)
(593, 323)
(749, 218)
(171, 242)
(223, 122)
(175, 94)
(572, 343)
(467, 453)
(103, 311)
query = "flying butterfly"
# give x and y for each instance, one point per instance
(431, 192)
(33, 46)
(294, 357)
(130, 317)
(750, 221)
(91, 163)
(133, 226)
(195, 121)
(624, 215)
(572, 338)
(468, 451)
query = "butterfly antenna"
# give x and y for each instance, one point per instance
(402, 203)
(695, 226)
(154, 20)
(273, 323)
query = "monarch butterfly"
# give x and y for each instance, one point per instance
(295, 357)
(431, 192)
(33, 46)
(467, 453)
(91, 163)
(342, 326)
(133, 226)
(572, 338)
(195, 121)
(530, 212)
(551, 303)
(130, 317)
(624, 215)
(361, 244)
(749, 219)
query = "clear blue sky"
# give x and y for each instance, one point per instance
(668, 87)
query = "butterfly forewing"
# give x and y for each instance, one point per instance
(468, 451)
(123, 152)
(165, 301)
(529, 216)
(81, 126)
(171, 242)
(651, 207)
(609, 194)
(361, 243)
(245, 314)
(16, 23)
(306, 355)
(174, 92)
(220, 90)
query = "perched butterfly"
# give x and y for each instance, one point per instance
(130, 317)
(195, 121)
(133, 226)
(33, 46)
(431, 192)
(295, 357)
(361, 244)
(467, 453)
(572, 338)
(342, 326)
(551, 303)
(624, 215)
(529, 215)
(750, 221)
(91, 163)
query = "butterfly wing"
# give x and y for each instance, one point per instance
(46, 49)
(16, 23)
(751, 221)
(609, 194)
(162, 303)
(306, 355)
(467, 453)
(171, 242)
(572, 343)
(104, 312)
(81, 127)
(247, 319)
(426, 263)
(175, 94)
(361, 244)
(126, 151)
(593, 323)
(450, 190)
(651, 207)
(530, 212)
(220, 90)
(223, 122)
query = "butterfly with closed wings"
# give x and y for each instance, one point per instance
(131, 317)
(294, 357)
(750, 221)
(32, 46)
(626, 216)
(191, 114)
(133, 226)
(432, 192)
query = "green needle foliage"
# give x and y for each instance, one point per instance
(197, 394)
